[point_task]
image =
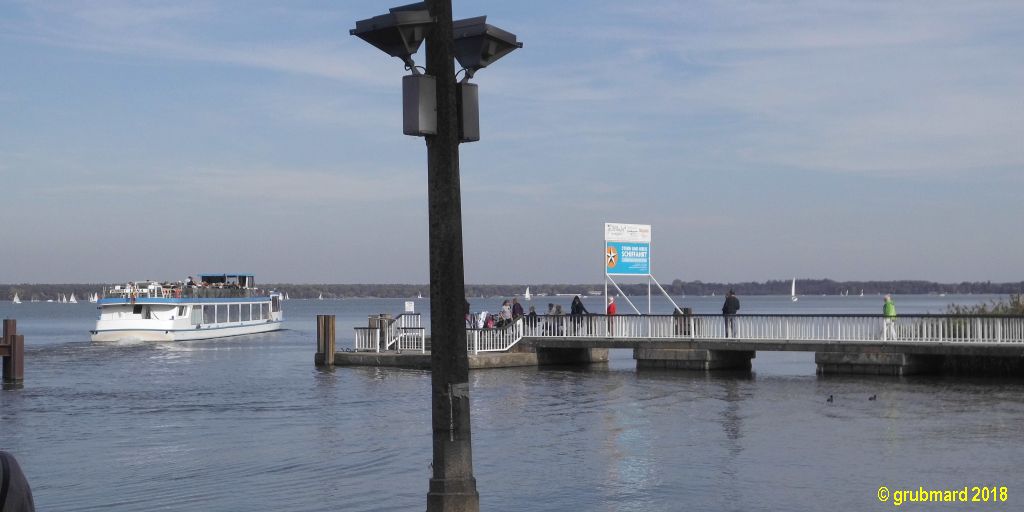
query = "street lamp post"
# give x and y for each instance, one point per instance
(452, 486)
(444, 119)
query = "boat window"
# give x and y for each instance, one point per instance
(147, 313)
(137, 310)
(246, 315)
(197, 315)
(277, 303)
(209, 314)
(265, 308)
(222, 313)
(256, 312)
(181, 311)
(234, 312)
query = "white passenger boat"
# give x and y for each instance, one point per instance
(218, 305)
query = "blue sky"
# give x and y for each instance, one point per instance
(762, 140)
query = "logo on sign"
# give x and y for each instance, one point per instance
(611, 256)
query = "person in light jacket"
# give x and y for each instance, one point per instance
(889, 318)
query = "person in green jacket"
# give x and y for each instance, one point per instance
(889, 314)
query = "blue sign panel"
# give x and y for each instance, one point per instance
(627, 258)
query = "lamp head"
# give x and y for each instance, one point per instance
(478, 44)
(398, 33)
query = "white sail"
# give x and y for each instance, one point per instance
(94, 298)
(321, 297)
(419, 295)
(63, 299)
(16, 300)
(527, 295)
(792, 291)
(72, 300)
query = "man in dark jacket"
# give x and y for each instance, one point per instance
(729, 309)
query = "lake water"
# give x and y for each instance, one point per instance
(248, 423)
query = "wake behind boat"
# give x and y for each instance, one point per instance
(219, 305)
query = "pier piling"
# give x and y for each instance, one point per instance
(12, 350)
(324, 340)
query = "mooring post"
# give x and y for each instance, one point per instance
(324, 340)
(13, 351)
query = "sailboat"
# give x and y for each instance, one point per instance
(419, 295)
(862, 292)
(321, 297)
(72, 300)
(527, 295)
(792, 291)
(94, 298)
(286, 297)
(16, 300)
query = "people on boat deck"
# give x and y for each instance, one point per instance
(191, 282)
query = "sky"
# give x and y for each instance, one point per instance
(152, 139)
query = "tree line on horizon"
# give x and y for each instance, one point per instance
(677, 287)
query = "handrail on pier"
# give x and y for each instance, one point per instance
(853, 328)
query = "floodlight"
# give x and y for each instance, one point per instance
(478, 44)
(398, 33)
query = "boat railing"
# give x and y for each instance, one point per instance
(177, 292)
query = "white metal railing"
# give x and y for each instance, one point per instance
(141, 292)
(852, 328)
(367, 338)
(495, 340)
(405, 332)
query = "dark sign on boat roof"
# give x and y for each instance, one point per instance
(244, 280)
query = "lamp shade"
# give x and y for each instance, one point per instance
(398, 33)
(478, 44)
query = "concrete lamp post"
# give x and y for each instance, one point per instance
(435, 107)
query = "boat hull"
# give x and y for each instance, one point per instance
(130, 334)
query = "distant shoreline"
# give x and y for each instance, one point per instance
(677, 287)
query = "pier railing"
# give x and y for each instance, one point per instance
(404, 332)
(495, 340)
(407, 334)
(853, 328)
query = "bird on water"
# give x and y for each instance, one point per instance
(830, 399)
(873, 397)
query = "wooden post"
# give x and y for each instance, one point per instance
(324, 340)
(13, 351)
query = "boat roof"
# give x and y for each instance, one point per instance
(221, 274)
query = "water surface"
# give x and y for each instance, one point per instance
(248, 423)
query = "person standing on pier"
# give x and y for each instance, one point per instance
(611, 316)
(729, 309)
(889, 321)
(517, 308)
(576, 311)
